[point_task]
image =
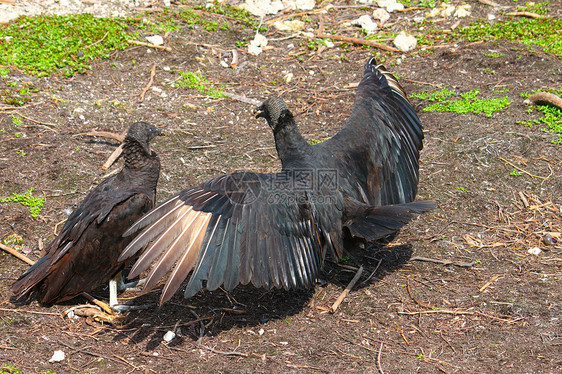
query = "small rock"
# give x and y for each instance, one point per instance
(405, 42)
(156, 89)
(448, 11)
(255, 46)
(491, 17)
(366, 24)
(549, 239)
(289, 77)
(57, 356)
(394, 7)
(261, 331)
(262, 7)
(381, 15)
(462, 12)
(329, 44)
(169, 336)
(295, 25)
(535, 251)
(155, 39)
(385, 3)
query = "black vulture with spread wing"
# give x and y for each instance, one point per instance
(274, 230)
(86, 252)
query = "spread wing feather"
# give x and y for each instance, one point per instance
(228, 231)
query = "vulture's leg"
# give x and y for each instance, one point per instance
(116, 285)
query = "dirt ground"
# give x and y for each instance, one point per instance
(500, 314)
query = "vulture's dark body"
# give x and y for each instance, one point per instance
(274, 230)
(86, 252)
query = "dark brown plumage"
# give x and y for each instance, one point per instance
(85, 254)
(274, 230)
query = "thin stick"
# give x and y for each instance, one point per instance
(444, 262)
(527, 14)
(544, 98)
(243, 99)
(524, 171)
(114, 156)
(379, 360)
(99, 41)
(34, 120)
(13, 252)
(351, 40)
(347, 289)
(152, 72)
(494, 278)
(29, 311)
(418, 82)
(136, 42)
(106, 134)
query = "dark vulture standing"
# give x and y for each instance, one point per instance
(86, 252)
(274, 230)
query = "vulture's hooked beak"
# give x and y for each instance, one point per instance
(258, 112)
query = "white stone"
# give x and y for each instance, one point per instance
(462, 13)
(299, 4)
(294, 25)
(491, 17)
(155, 39)
(262, 7)
(57, 356)
(329, 44)
(405, 41)
(385, 3)
(394, 7)
(535, 251)
(366, 24)
(381, 15)
(169, 336)
(255, 46)
(289, 77)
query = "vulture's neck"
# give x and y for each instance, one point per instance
(290, 144)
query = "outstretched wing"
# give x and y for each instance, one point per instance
(236, 228)
(381, 140)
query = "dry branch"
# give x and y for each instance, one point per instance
(136, 42)
(527, 14)
(107, 134)
(145, 89)
(114, 156)
(444, 262)
(15, 253)
(347, 289)
(541, 98)
(359, 41)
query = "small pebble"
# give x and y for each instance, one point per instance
(549, 240)
(169, 336)
(57, 356)
(535, 251)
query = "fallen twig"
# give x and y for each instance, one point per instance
(136, 42)
(15, 253)
(522, 170)
(29, 311)
(379, 360)
(352, 40)
(347, 289)
(39, 122)
(243, 99)
(114, 156)
(107, 134)
(443, 262)
(527, 14)
(542, 98)
(418, 82)
(492, 280)
(145, 89)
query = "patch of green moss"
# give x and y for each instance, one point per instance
(543, 32)
(35, 204)
(468, 103)
(198, 82)
(537, 8)
(242, 15)
(41, 45)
